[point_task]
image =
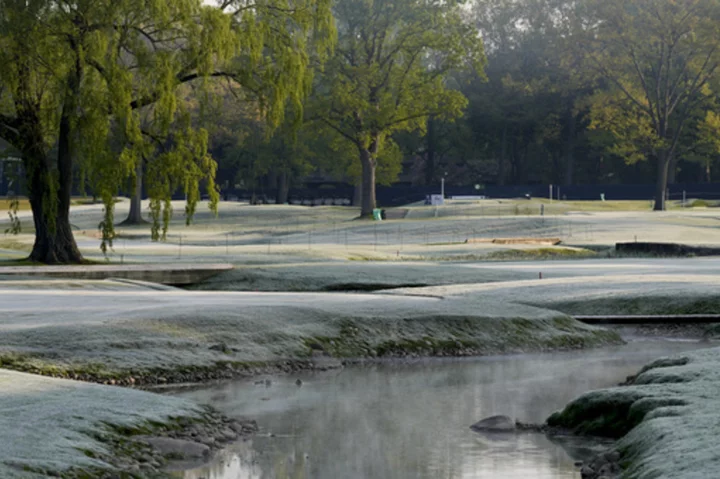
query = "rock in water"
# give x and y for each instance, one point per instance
(495, 424)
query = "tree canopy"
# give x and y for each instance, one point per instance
(95, 94)
(660, 58)
(79, 74)
(389, 73)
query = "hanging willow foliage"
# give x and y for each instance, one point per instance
(82, 79)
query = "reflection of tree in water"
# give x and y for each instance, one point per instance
(236, 462)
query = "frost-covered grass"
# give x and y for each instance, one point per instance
(355, 275)
(598, 294)
(268, 233)
(668, 417)
(52, 425)
(146, 333)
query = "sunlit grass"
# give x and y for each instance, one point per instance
(24, 205)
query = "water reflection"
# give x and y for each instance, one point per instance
(412, 421)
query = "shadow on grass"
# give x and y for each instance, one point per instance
(28, 262)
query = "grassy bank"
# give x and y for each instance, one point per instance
(325, 342)
(666, 417)
(53, 427)
(135, 336)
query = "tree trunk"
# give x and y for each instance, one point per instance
(502, 163)
(368, 182)
(49, 191)
(357, 194)
(135, 215)
(430, 152)
(708, 176)
(662, 180)
(283, 189)
(54, 241)
(672, 169)
(570, 149)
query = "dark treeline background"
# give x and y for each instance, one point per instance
(553, 106)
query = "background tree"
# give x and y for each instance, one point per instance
(388, 73)
(75, 74)
(661, 57)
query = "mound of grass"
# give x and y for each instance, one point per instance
(185, 336)
(640, 305)
(541, 254)
(667, 418)
(702, 204)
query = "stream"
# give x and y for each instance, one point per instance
(402, 421)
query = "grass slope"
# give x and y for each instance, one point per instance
(178, 335)
(667, 417)
(52, 425)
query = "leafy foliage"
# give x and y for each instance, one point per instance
(80, 76)
(389, 73)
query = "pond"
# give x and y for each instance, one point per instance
(402, 421)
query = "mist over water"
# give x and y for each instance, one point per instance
(412, 420)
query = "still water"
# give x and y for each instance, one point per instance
(411, 421)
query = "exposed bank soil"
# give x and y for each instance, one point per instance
(147, 450)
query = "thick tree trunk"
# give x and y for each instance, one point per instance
(672, 169)
(135, 215)
(368, 182)
(663, 160)
(54, 241)
(283, 189)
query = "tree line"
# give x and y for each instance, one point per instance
(530, 91)
(110, 94)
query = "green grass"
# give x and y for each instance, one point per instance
(597, 205)
(24, 205)
(540, 253)
(13, 244)
(650, 304)
(88, 200)
(701, 204)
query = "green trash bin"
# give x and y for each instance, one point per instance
(377, 214)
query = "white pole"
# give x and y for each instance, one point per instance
(442, 187)
(551, 194)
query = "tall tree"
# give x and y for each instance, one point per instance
(661, 57)
(389, 73)
(76, 73)
(526, 113)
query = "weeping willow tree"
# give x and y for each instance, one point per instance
(77, 74)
